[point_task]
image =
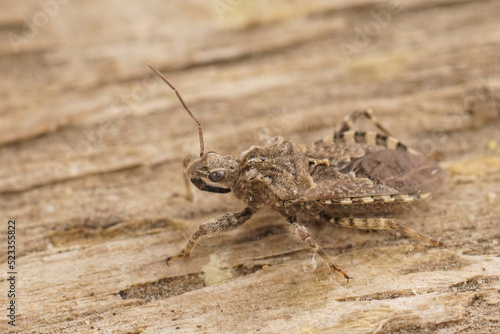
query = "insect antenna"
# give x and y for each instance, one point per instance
(200, 130)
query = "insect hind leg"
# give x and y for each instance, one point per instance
(347, 135)
(380, 224)
(348, 122)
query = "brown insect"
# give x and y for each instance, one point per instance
(351, 179)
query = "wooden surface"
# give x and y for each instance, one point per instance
(92, 147)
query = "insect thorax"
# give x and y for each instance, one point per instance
(277, 171)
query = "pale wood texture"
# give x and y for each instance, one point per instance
(92, 147)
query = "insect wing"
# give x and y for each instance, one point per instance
(401, 170)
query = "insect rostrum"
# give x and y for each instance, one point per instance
(351, 178)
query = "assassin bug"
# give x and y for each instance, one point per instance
(352, 179)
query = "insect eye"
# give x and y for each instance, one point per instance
(217, 176)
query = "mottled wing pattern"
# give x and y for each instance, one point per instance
(370, 176)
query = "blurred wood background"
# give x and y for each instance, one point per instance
(91, 149)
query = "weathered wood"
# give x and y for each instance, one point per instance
(92, 147)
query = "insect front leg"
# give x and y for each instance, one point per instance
(380, 224)
(301, 232)
(186, 163)
(222, 223)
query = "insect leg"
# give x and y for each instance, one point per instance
(346, 134)
(371, 138)
(301, 232)
(186, 163)
(348, 122)
(380, 224)
(222, 223)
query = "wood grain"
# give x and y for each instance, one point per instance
(91, 150)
